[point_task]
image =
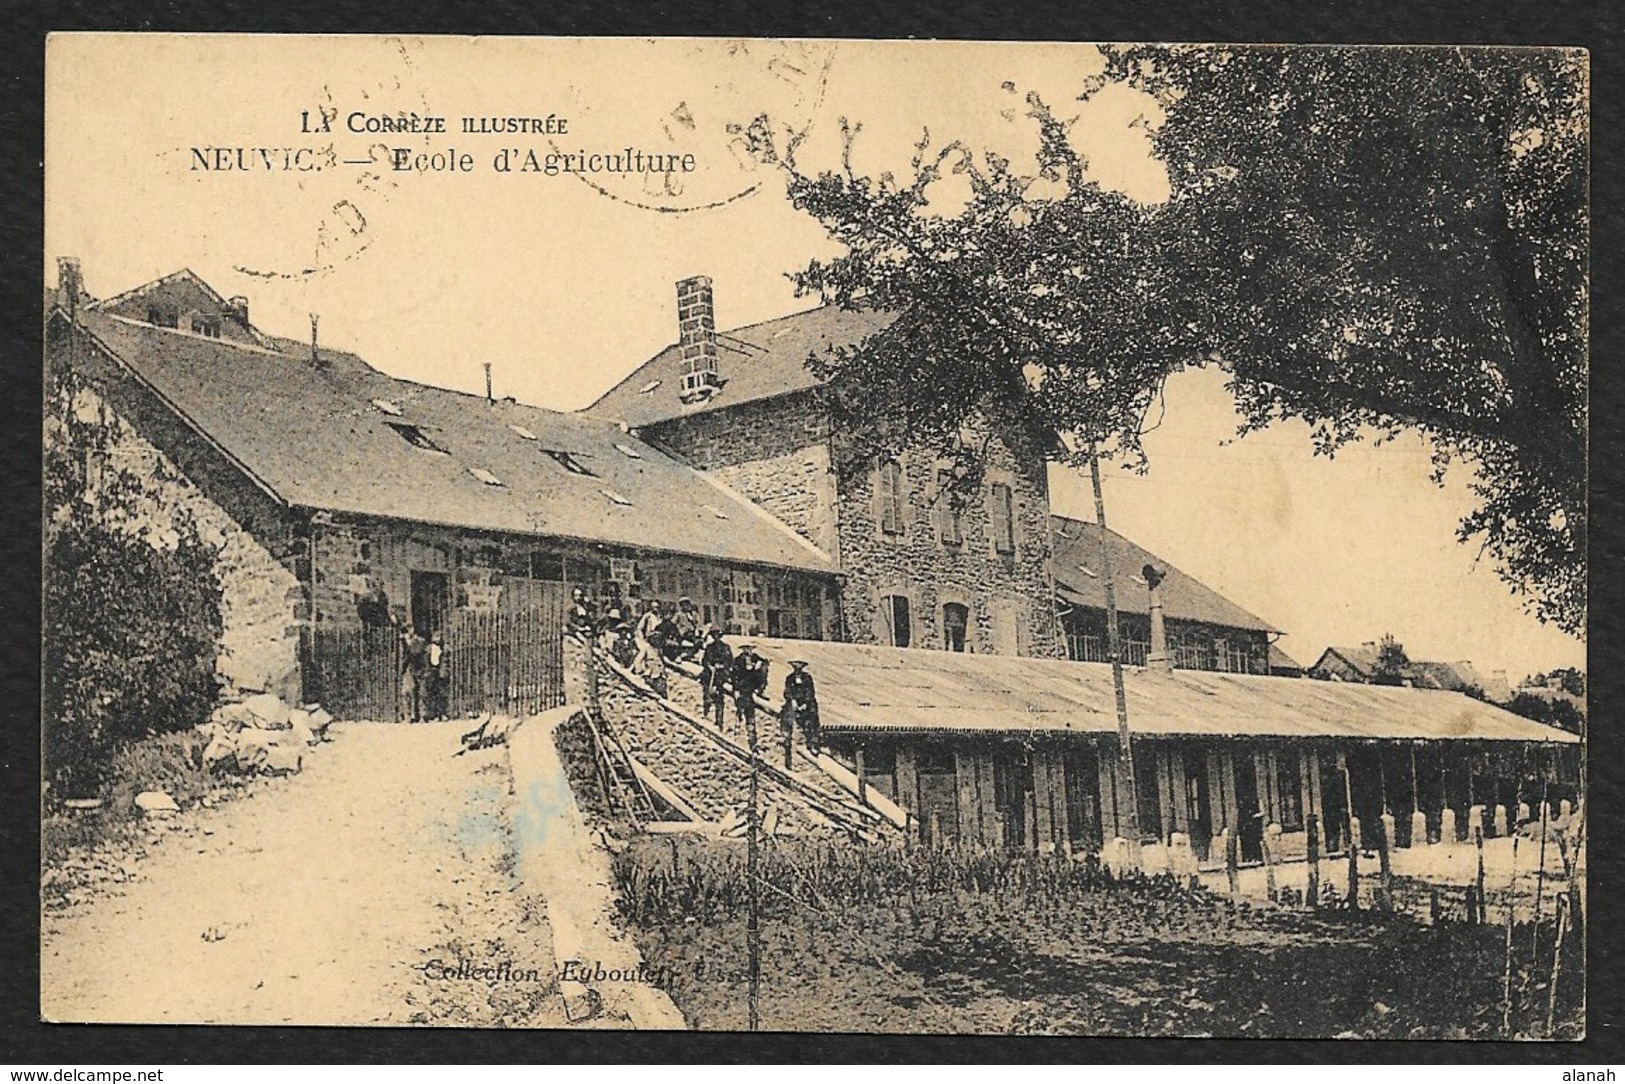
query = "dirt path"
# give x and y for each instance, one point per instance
(349, 894)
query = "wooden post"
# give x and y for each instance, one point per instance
(1232, 857)
(863, 787)
(1348, 833)
(1478, 842)
(1540, 873)
(753, 928)
(1312, 823)
(1385, 831)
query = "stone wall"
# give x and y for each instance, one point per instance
(259, 542)
(362, 563)
(774, 452)
(782, 454)
(1009, 596)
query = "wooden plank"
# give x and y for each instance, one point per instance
(1179, 786)
(1110, 816)
(965, 795)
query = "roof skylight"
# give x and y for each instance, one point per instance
(649, 387)
(485, 476)
(569, 462)
(616, 497)
(388, 407)
(629, 451)
(522, 431)
(416, 437)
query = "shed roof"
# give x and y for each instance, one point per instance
(1076, 567)
(1456, 676)
(350, 439)
(868, 689)
(757, 361)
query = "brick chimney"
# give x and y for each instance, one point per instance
(1157, 658)
(238, 306)
(697, 338)
(70, 282)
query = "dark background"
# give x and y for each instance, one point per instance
(24, 1040)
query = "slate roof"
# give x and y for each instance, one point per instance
(324, 439)
(1076, 568)
(757, 361)
(1455, 676)
(869, 689)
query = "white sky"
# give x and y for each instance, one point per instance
(565, 290)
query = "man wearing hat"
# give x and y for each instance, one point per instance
(749, 681)
(716, 663)
(801, 704)
(685, 638)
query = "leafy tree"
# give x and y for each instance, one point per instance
(1551, 711)
(132, 617)
(1372, 241)
(1393, 665)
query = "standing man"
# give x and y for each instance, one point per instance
(650, 635)
(437, 669)
(685, 626)
(801, 704)
(749, 681)
(580, 619)
(413, 661)
(716, 664)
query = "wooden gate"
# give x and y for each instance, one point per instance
(508, 660)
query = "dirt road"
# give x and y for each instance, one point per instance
(365, 890)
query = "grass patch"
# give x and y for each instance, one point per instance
(868, 939)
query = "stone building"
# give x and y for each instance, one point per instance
(348, 504)
(918, 569)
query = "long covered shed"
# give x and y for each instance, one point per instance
(1023, 752)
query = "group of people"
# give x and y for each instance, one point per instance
(425, 675)
(663, 633)
(745, 676)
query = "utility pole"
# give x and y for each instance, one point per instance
(1125, 747)
(753, 901)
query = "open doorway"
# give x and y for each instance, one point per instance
(431, 600)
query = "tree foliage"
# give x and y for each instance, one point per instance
(132, 603)
(1371, 241)
(1393, 665)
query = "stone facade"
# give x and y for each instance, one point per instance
(782, 453)
(261, 551)
(377, 569)
(776, 452)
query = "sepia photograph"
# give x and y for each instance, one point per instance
(837, 536)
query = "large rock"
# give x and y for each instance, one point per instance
(155, 803)
(220, 755)
(283, 760)
(299, 726)
(268, 712)
(319, 719)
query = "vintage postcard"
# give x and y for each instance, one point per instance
(812, 535)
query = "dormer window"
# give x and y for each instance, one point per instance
(207, 326)
(569, 462)
(159, 316)
(416, 437)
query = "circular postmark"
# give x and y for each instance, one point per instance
(346, 226)
(679, 121)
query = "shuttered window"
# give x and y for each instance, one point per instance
(894, 610)
(950, 525)
(1004, 518)
(891, 496)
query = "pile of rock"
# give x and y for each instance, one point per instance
(262, 735)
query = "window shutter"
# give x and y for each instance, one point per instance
(1004, 526)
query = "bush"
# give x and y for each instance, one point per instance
(131, 636)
